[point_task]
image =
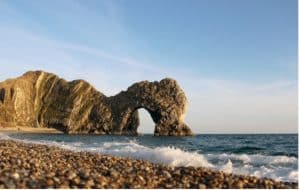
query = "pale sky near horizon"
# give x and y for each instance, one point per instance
(236, 60)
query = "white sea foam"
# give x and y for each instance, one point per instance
(4, 136)
(227, 168)
(256, 158)
(282, 168)
(165, 155)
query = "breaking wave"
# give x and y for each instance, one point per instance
(282, 168)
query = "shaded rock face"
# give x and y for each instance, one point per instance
(40, 99)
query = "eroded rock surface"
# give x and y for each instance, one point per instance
(41, 99)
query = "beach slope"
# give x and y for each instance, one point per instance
(40, 166)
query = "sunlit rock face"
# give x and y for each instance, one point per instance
(41, 99)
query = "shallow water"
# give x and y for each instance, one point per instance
(264, 155)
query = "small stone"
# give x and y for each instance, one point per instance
(19, 161)
(84, 174)
(56, 179)
(101, 180)
(16, 176)
(202, 186)
(128, 170)
(168, 186)
(113, 173)
(89, 183)
(50, 174)
(50, 182)
(239, 185)
(141, 179)
(167, 174)
(177, 172)
(71, 175)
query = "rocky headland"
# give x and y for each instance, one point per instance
(43, 100)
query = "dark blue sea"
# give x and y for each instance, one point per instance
(262, 155)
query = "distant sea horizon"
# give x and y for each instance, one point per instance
(234, 133)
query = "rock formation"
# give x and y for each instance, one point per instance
(40, 99)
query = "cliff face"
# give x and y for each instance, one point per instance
(40, 99)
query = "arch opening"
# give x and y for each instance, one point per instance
(147, 121)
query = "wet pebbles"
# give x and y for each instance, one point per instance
(40, 166)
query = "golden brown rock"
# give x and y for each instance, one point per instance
(41, 99)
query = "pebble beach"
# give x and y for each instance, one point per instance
(24, 165)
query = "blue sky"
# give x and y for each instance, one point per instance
(236, 60)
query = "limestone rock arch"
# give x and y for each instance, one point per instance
(41, 99)
(165, 101)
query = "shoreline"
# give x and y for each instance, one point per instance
(25, 165)
(29, 130)
(44, 130)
